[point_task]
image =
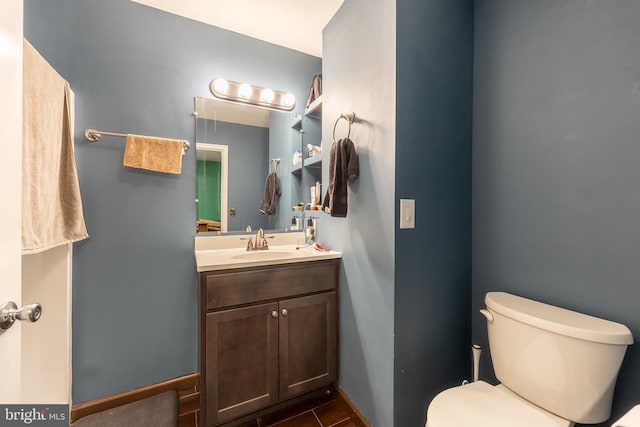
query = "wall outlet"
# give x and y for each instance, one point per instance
(407, 213)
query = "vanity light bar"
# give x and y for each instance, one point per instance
(253, 95)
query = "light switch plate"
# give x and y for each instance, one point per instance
(407, 213)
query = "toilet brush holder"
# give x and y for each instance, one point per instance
(476, 351)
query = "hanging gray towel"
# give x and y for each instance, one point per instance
(343, 167)
(271, 194)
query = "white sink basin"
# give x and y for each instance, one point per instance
(226, 252)
(266, 254)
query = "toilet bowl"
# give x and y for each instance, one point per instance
(557, 368)
(480, 404)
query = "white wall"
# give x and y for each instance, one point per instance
(359, 75)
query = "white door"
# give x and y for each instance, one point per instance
(35, 368)
(11, 182)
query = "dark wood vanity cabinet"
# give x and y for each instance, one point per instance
(268, 334)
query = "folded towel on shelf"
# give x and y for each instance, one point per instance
(271, 194)
(51, 204)
(316, 89)
(154, 154)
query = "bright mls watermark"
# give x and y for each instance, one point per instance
(34, 415)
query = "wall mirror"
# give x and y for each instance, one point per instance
(235, 145)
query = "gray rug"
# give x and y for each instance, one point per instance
(155, 411)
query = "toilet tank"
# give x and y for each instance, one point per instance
(560, 360)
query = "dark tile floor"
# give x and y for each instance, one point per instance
(328, 409)
(331, 414)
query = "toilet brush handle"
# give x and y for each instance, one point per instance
(476, 350)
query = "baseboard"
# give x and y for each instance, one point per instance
(341, 395)
(187, 387)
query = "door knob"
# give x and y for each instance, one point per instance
(285, 312)
(274, 314)
(9, 313)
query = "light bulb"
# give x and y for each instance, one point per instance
(245, 90)
(221, 86)
(268, 95)
(289, 100)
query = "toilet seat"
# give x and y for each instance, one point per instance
(480, 404)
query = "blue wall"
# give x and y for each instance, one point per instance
(555, 162)
(137, 69)
(433, 166)
(359, 76)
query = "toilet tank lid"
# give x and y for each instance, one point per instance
(558, 320)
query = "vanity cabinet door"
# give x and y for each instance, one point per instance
(241, 361)
(308, 348)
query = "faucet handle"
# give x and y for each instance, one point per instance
(250, 245)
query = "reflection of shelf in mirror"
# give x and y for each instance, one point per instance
(297, 122)
(315, 108)
(313, 162)
(296, 168)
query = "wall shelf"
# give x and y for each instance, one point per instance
(306, 128)
(297, 122)
(315, 108)
(313, 162)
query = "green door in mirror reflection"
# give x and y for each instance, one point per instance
(208, 179)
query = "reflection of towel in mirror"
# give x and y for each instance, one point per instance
(343, 167)
(316, 89)
(271, 194)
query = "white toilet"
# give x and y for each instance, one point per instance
(556, 367)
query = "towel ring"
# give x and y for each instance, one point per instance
(350, 118)
(275, 163)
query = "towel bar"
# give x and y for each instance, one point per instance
(95, 135)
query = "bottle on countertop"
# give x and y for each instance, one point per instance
(311, 230)
(295, 223)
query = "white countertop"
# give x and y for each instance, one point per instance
(229, 252)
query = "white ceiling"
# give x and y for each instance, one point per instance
(296, 24)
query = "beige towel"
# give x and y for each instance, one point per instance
(51, 204)
(154, 154)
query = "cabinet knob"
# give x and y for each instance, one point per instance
(284, 312)
(274, 314)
